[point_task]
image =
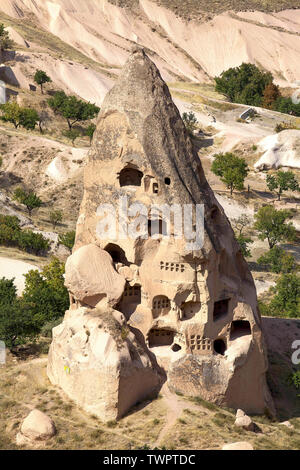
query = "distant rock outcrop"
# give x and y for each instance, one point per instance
(280, 150)
(155, 304)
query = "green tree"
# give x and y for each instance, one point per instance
(282, 181)
(56, 217)
(46, 293)
(17, 325)
(244, 243)
(190, 121)
(72, 109)
(244, 84)
(271, 225)
(28, 198)
(278, 261)
(231, 169)
(286, 105)
(68, 239)
(71, 134)
(5, 41)
(241, 223)
(18, 116)
(90, 132)
(41, 78)
(286, 300)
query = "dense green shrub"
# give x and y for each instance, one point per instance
(12, 235)
(47, 328)
(68, 239)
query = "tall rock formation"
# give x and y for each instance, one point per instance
(157, 306)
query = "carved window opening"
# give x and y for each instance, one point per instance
(167, 181)
(130, 177)
(239, 328)
(157, 227)
(221, 309)
(158, 337)
(219, 346)
(160, 305)
(176, 347)
(155, 188)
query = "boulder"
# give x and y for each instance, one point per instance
(36, 427)
(244, 421)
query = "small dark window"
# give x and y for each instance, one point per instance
(167, 181)
(155, 188)
(219, 346)
(221, 309)
(214, 213)
(176, 347)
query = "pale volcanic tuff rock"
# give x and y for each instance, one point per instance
(195, 310)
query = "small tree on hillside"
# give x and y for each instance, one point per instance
(278, 261)
(231, 169)
(68, 239)
(286, 300)
(56, 217)
(282, 181)
(72, 135)
(190, 121)
(28, 198)
(271, 94)
(272, 226)
(18, 116)
(5, 41)
(72, 109)
(41, 78)
(241, 223)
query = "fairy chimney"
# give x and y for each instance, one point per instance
(159, 288)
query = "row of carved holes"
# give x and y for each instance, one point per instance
(172, 266)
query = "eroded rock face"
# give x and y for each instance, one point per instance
(193, 307)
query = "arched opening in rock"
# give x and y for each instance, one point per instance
(220, 309)
(159, 337)
(167, 181)
(189, 310)
(157, 227)
(219, 346)
(239, 328)
(155, 188)
(176, 347)
(160, 306)
(130, 177)
(131, 298)
(118, 254)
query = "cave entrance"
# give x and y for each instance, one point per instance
(221, 309)
(239, 328)
(220, 346)
(130, 177)
(158, 338)
(118, 254)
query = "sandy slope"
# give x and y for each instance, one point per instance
(11, 268)
(106, 32)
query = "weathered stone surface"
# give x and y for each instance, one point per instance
(97, 361)
(242, 445)
(194, 308)
(91, 277)
(36, 427)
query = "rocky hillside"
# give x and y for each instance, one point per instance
(212, 37)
